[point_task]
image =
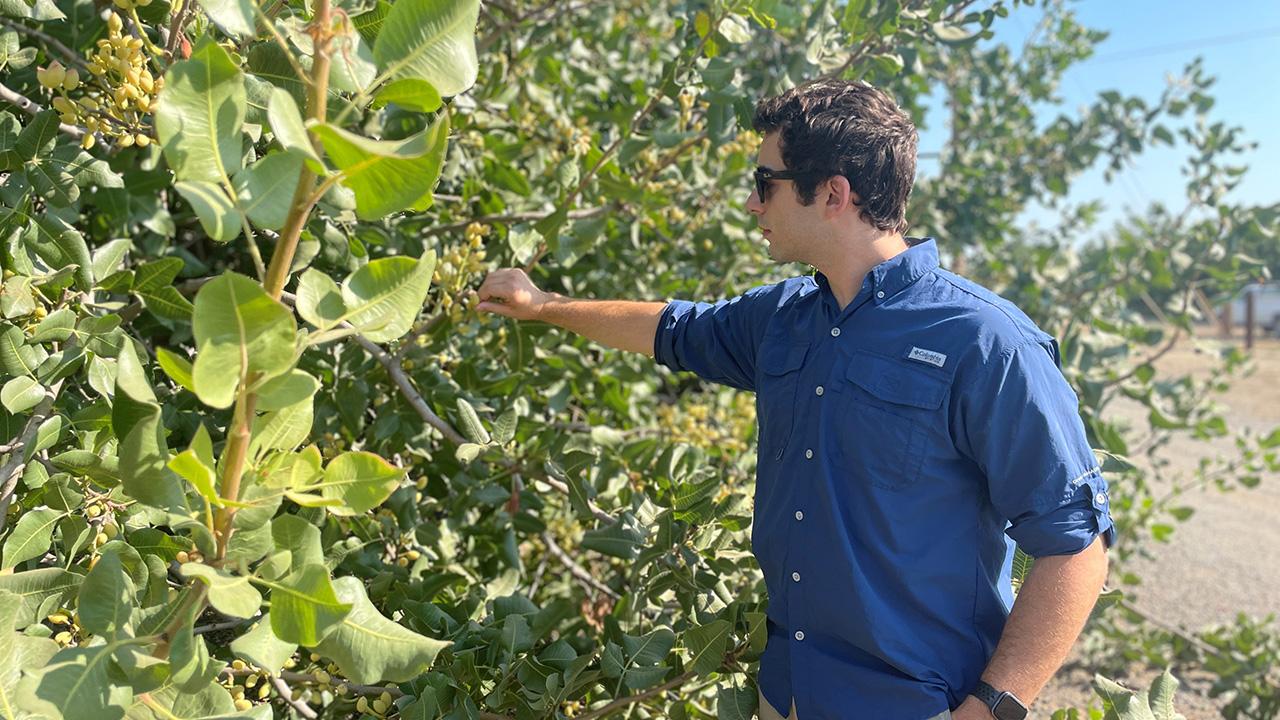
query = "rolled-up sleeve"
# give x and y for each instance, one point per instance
(1020, 423)
(717, 342)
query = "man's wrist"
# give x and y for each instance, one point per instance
(1002, 704)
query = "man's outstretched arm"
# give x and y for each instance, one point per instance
(1052, 606)
(622, 324)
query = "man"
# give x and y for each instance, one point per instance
(911, 424)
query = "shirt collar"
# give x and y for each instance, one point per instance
(895, 274)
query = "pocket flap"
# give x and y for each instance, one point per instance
(895, 382)
(782, 359)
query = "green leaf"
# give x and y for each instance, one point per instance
(351, 67)
(21, 394)
(59, 244)
(282, 391)
(649, 649)
(195, 465)
(388, 176)
(217, 212)
(319, 299)
(76, 684)
(286, 125)
(504, 428)
(38, 133)
(107, 258)
(31, 537)
(16, 356)
(266, 188)
(410, 94)
(229, 594)
(471, 425)
(17, 652)
(210, 702)
(708, 644)
(157, 274)
(107, 596)
(16, 299)
(261, 646)
(239, 329)
(176, 367)
(369, 648)
(201, 115)
(300, 538)
(386, 295)
(57, 326)
(190, 667)
(52, 182)
(619, 540)
(433, 40)
(304, 608)
(1161, 695)
(735, 703)
(283, 429)
(234, 17)
(360, 480)
(144, 454)
(36, 588)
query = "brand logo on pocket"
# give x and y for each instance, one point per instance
(936, 359)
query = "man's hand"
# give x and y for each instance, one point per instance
(510, 292)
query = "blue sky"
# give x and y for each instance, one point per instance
(1240, 43)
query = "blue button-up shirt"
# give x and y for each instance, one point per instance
(906, 442)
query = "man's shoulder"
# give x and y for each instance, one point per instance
(994, 324)
(782, 293)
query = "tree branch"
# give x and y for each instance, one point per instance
(575, 569)
(638, 697)
(30, 107)
(10, 469)
(68, 54)
(286, 694)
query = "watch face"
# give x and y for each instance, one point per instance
(1008, 708)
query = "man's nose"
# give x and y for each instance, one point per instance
(754, 206)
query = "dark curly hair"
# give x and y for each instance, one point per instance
(835, 127)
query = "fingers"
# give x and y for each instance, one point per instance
(495, 308)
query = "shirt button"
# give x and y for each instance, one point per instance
(1100, 498)
(808, 454)
(818, 390)
(835, 332)
(880, 294)
(795, 576)
(799, 515)
(799, 634)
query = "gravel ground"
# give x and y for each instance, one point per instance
(1222, 560)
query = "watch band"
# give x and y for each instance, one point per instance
(1003, 705)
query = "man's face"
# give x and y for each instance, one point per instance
(787, 225)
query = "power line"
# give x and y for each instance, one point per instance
(1185, 45)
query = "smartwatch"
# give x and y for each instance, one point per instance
(1004, 705)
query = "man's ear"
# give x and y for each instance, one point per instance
(838, 188)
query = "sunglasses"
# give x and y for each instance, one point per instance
(764, 175)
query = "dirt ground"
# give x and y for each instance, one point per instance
(1223, 559)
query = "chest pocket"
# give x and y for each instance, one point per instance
(886, 413)
(780, 365)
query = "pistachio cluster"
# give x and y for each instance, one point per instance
(707, 426)
(455, 269)
(378, 706)
(121, 94)
(746, 142)
(244, 689)
(67, 628)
